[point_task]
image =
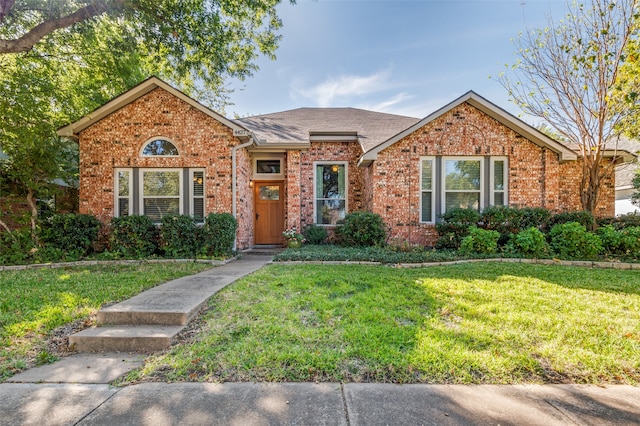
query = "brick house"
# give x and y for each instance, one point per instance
(153, 150)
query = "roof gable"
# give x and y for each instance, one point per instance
(491, 110)
(73, 130)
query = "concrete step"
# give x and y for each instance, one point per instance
(123, 317)
(145, 338)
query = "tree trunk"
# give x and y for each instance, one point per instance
(33, 207)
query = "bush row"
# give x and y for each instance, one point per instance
(68, 237)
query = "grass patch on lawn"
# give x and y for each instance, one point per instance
(467, 323)
(34, 302)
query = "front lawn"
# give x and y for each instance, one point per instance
(34, 302)
(466, 323)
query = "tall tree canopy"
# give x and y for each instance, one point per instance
(566, 74)
(195, 43)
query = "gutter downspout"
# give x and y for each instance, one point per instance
(234, 184)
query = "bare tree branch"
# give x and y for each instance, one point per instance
(26, 42)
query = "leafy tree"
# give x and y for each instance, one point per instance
(566, 74)
(195, 44)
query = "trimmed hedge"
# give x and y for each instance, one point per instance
(72, 234)
(362, 229)
(218, 234)
(134, 236)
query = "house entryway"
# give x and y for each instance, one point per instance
(269, 212)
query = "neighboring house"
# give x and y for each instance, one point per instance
(624, 177)
(153, 151)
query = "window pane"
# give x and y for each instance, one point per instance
(426, 207)
(157, 208)
(329, 212)
(160, 147)
(427, 173)
(465, 200)
(198, 184)
(462, 175)
(498, 175)
(198, 209)
(159, 183)
(123, 184)
(498, 199)
(268, 166)
(123, 207)
(269, 192)
(331, 181)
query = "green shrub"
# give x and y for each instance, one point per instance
(218, 234)
(621, 222)
(314, 234)
(536, 217)
(584, 218)
(179, 236)
(573, 241)
(531, 243)
(610, 239)
(623, 243)
(505, 220)
(73, 234)
(480, 241)
(134, 236)
(455, 226)
(16, 247)
(362, 229)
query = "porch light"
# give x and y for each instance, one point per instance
(334, 168)
(250, 183)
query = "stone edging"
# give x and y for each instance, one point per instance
(583, 263)
(112, 262)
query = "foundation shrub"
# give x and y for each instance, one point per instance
(16, 247)
(362, 229)
(531, 243)
(584, 218)
(454, 226)
(481, 241)
(536, 217)
(573, 241)
(134, 236)
(71, 234)
(179, 237)
(623, 243)
(505, 220)
(218, 234)
(314, 234)
(621, 222)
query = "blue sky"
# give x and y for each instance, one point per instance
(396, 56)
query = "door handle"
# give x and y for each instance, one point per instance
(257, 216)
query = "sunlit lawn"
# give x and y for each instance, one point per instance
(468, 323)
(33, 302)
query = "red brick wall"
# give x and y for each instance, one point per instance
(536, 178)
(116, 141)
(293, 190)
(320, 152)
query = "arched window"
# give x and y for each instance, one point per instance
(160, 147)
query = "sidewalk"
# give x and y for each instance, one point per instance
(316, 404)
(76, 390)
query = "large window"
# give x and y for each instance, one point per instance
(159, 192)
(464, 182)
(330, 192)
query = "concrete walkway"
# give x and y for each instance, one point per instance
(76, 390)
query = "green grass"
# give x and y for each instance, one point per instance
(34, 302)
(467, 323)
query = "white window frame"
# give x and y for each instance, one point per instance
(444, 182)
(433, 189)
(116, 192)
(268, 176)
(180, 186)
(505, 177)
(192, 195)
(315, 187)
(153, 139)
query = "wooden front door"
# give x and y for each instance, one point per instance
(269, 216)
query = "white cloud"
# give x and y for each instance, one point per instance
(387, 105)
(343, 87)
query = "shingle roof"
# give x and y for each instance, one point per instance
(296, 125)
